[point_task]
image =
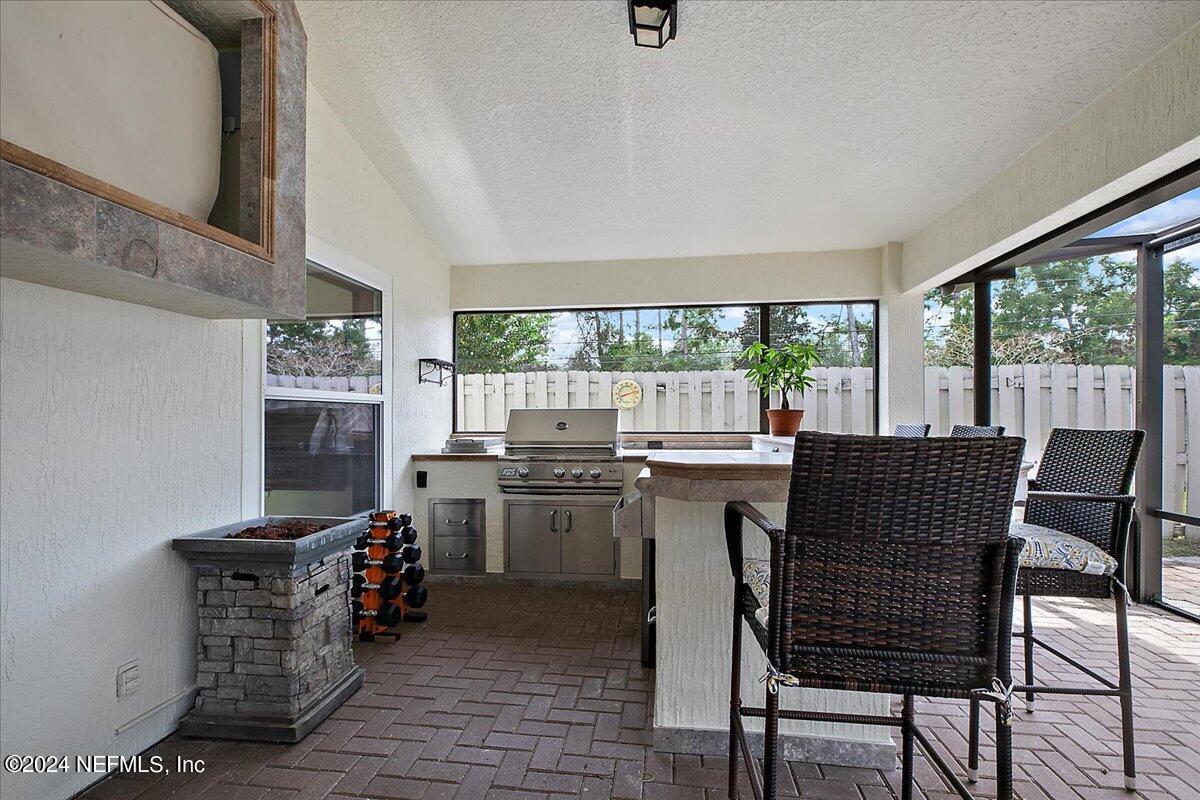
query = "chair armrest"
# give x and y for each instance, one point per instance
(735, 512)
(1080, 497)
(747, 511)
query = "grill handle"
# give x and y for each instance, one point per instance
(570, 520)
(457, 556)
(456, 522)
(554, 521)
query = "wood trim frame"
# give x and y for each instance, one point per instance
(35, 162)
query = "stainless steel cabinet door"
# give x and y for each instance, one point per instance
(534, 537)
(588, 547)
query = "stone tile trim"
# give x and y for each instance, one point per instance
(272, 643)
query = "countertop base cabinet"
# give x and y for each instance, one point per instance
(456, 535)
(567, 539)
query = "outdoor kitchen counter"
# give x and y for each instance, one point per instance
(684, 496)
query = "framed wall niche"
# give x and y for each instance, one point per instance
(243, 33)
(153, 151)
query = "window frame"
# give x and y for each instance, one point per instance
(764, 336)
(346, 266)
(1144, 556)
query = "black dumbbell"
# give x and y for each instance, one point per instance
(405, 519)
(415, 596)
(391, 542)
(413, 574)
(393, 562)
(408, 534)
(411, 553)
(389, 588)
(392, 524)
(387, 616)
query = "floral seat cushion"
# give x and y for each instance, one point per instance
(1046, 548)
(756, 573)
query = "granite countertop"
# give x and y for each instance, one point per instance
(721, 465)
(629, 454)
(717, 475)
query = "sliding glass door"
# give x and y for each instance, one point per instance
(1179, 514)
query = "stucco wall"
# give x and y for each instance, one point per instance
(121, 428)
(1143, 128)
(352, 208)
(827, 275)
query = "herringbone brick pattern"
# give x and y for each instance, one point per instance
(523, 692)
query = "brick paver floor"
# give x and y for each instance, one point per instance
(528, 692)
(1181, 582)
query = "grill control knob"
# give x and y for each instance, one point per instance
(577, 473)
(595, 473)
(559, 472)
(522, 472)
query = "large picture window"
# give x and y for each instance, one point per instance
(686, 361)
(324, 402)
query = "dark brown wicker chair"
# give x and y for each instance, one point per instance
(895, 574)
(1082, 489)
(977, 431)
(911, 431)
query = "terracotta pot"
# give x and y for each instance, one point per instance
(784, 421)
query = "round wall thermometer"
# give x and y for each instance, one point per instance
(627, 393)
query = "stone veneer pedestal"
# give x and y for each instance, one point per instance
(273, 653)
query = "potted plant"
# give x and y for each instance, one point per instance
(783, 368)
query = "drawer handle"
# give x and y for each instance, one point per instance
(452, 522)
(457, 557)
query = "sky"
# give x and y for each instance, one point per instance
(1162, 216)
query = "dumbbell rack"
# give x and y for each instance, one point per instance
(386, 586)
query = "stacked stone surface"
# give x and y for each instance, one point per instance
(272, 642)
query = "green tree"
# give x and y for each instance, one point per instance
(322, 348)
(1181, 294)
(846, 339)
(514, 342)
(1076, 311)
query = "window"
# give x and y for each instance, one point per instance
(686, 360)
(324, 402)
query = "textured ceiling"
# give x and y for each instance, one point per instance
(536, 131)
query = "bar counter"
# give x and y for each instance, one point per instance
(684, 495)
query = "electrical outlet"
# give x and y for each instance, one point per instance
(129, 675)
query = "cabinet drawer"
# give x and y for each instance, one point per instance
(457, 554)
(456, 517)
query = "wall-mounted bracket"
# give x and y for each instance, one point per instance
(435, 370)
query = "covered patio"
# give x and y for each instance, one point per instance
(514, 400)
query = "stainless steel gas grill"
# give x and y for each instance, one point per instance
(561, 471)
(555, 452)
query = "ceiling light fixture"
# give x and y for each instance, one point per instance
(653, 22)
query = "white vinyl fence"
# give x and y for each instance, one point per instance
(362, 384)
(1027, 399)
(841, 399)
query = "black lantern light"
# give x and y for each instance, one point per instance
(652, 22)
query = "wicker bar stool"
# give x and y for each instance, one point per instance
(895, 574)
(1076, 528)
(911, 431)
(977, 431)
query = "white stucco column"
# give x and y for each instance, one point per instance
(901, 346)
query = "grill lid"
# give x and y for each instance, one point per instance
(562, 428)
